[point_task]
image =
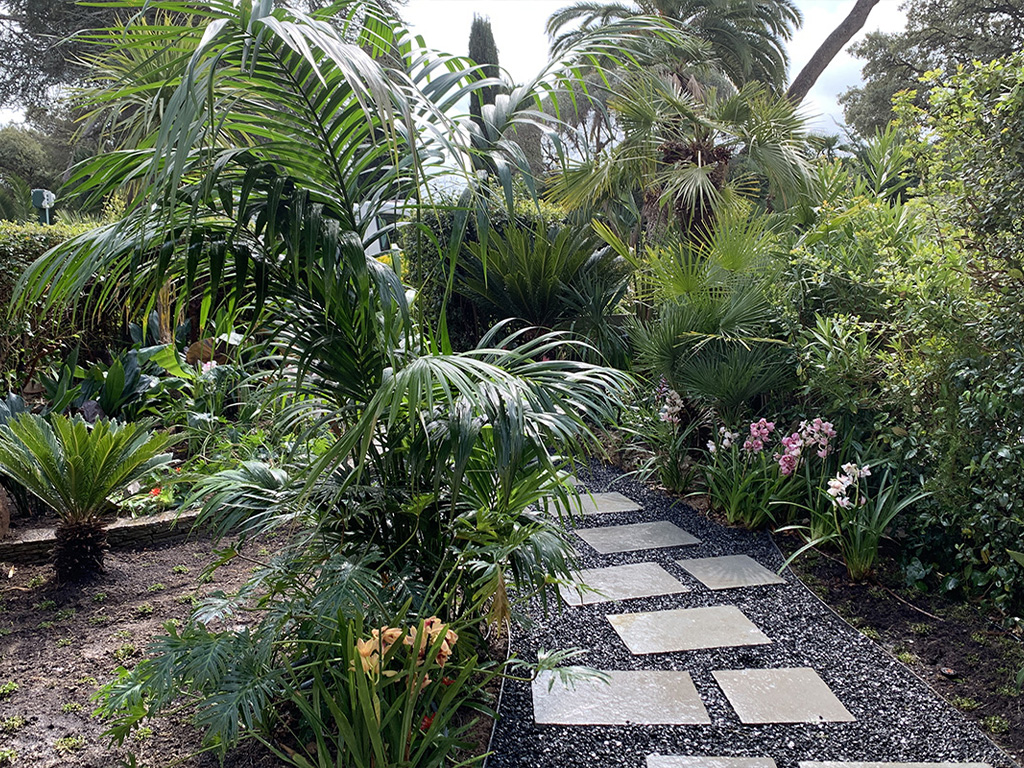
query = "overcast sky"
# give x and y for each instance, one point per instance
(522, 45)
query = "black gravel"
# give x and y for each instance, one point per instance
(899, 718)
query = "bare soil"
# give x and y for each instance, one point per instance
(59, 644)
(963, 654)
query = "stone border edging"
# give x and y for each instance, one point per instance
(34, 545)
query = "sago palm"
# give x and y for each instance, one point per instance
(75, 469)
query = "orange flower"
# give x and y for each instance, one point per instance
(369, 654)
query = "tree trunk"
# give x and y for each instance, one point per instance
(833, 44)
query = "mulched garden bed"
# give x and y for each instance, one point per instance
(960, 652)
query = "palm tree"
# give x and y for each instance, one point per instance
(284, 139)
(685, 154)
(746, 38)
(75, 468)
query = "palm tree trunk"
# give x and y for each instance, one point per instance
(833, 44)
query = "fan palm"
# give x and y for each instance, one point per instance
(689, 155)
(75, 468)
(746, 38)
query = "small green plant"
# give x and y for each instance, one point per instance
(966, 703)
(921, 628)
(158, 587)
(123, 634)
(12, 724)
(871, 634)
(47, 624)
(143, 733)
(8, 756)
(63, 642)
(65, 614)
(44, 605)
(87, 680)
(980, 638)
(144, 610)
(36, 581)
(995, 724)
(907, 657)
(67, 745)
(1009, 691)
(189, 598)
(5, 631)
(974, 659)
(125, 651)
(180, 569)
(71, 706)
(99, 618)
(99, 597)
(8, 689)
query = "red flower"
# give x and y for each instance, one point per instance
(428, 720)
(446, 681)
(155, 491)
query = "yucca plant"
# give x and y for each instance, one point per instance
(75, 469)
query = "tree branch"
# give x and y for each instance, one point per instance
(832, 45)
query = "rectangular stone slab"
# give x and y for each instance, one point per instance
(623, 582)
(629, 538)
(729, 572)
(836, 764)
(690, 761)
(686, 629)
(790, 695)
(602, 504)
(640, 697)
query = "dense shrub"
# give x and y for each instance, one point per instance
(26, 342)
(427, 248)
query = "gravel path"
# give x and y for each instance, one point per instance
(898, 718)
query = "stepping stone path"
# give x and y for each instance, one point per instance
(686, 629)
(712, 661)
(622, 582)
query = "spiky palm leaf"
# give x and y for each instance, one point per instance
(75, 468)
(746, 38)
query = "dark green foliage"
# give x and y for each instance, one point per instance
(745, 38)
(558, 277)
(29, 341)
(483, 52)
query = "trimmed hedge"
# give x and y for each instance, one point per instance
(27, 342)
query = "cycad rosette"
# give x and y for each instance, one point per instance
(76, 468)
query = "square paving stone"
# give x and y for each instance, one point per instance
(729, 572)
(688, 761)
(623, 582)
(836, 764)
(643, 697)
(686, 629)
(603, 504)
(796, 695)
(628, 538)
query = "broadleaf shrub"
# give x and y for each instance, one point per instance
(27, 342)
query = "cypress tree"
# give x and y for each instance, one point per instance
(482, 51)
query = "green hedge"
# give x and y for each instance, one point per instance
(26, 342)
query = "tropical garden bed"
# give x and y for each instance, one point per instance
(325, 309)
